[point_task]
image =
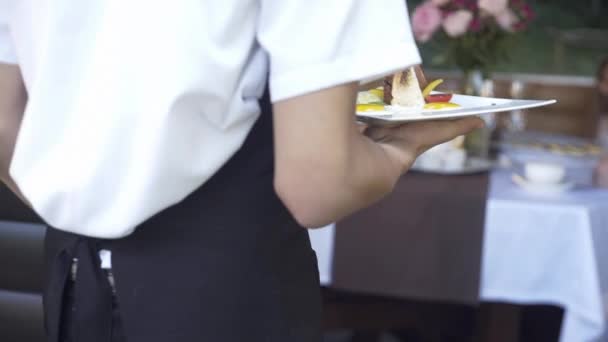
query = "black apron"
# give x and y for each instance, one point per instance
(229, 263)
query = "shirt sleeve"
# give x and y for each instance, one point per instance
(316, 44)
(7, 51)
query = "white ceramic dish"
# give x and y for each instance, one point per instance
(469, 105)
(471, 166)
(544, 173)
(542, 188)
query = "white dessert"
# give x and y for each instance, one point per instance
(406, 90)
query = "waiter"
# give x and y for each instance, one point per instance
(141, 132)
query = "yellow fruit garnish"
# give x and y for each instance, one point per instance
(370, 108)
(440, 105)
(378, 92)
(429, 88)
(367, 97)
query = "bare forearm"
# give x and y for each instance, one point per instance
(7, 146)
(9, 128)
(327, 171)
(13, 98)
(325, 195)
(369, 176)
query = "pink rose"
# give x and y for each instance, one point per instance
(425, 21)
(440, 3)
(507, 20)
(457, 23)
(475, 25)
(494, 7)
(527, 12)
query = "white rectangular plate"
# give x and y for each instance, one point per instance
(470, 105)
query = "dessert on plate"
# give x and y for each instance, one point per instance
(406, 92)
(402, 95)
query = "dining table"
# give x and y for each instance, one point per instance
(478, 238)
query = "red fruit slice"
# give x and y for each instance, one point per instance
(438, 98)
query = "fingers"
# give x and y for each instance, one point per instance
(447, 130)
(423, 135)
(405, 143)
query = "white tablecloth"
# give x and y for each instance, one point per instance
(537, 250)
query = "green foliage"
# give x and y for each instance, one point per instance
(483, 50)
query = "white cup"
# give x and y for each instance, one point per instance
(544, 173)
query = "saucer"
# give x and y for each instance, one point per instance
(554, 188)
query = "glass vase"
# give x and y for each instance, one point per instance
(478, 142)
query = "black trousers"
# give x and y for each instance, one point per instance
(227, 264)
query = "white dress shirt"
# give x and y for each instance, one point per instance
(135, 104)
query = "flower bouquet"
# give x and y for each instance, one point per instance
(475, 35)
